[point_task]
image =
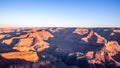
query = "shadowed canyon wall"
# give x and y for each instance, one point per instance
(58, 47)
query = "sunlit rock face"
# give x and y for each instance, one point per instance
(7, 41)
(24, 49)
(58, 47)
(81, 31)
(33, 41)
(25, 42)
(28, 56)
(112, 48)
(2, 36)
(116, 30)
(100, 39)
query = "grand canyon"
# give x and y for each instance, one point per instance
(59, 47)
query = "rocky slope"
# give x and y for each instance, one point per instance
(112, 48)
(60, 47)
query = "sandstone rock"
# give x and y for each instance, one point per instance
(25, 49)
(90, 54)
(7, 41)
(28, 56)
(45, 35)
(34, 40)
(110, 49)
(2, 36)
(100, 39)
(23, 36)
(81, 31)
(85, 39)
(34, 35)
(88, 37)
(41, 45)
(53, 30)
(39, 38)
(27, 42)
(116, 31)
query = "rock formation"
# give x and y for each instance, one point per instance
(40, 45)
(28, 56)
(110, 49)
(64, 47)
(24, 49)
(88, 37)
(7, 41)
(33, 41)
(81, 31)
(27, 42)
(100, 39)
(2, 36)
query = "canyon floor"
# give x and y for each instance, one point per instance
(59, 47)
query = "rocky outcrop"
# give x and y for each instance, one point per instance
(53, 30)
(110, 49)
(24, 49)
(45, 35)
(81, 31)
(23, 36)
(100, 39)
(33, 41)
(2, 36)
(28, 56)
(7, 41)
(116, 30)
(88, 37)
(40, 45)
(27, 42)
(90, 55)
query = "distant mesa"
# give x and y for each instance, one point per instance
(81, 31)
(100, 39)
(116, 30)
(6, 30)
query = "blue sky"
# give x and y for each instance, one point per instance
(60, 13)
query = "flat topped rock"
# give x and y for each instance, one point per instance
(28, 56)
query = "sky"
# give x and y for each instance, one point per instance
(59, 13)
